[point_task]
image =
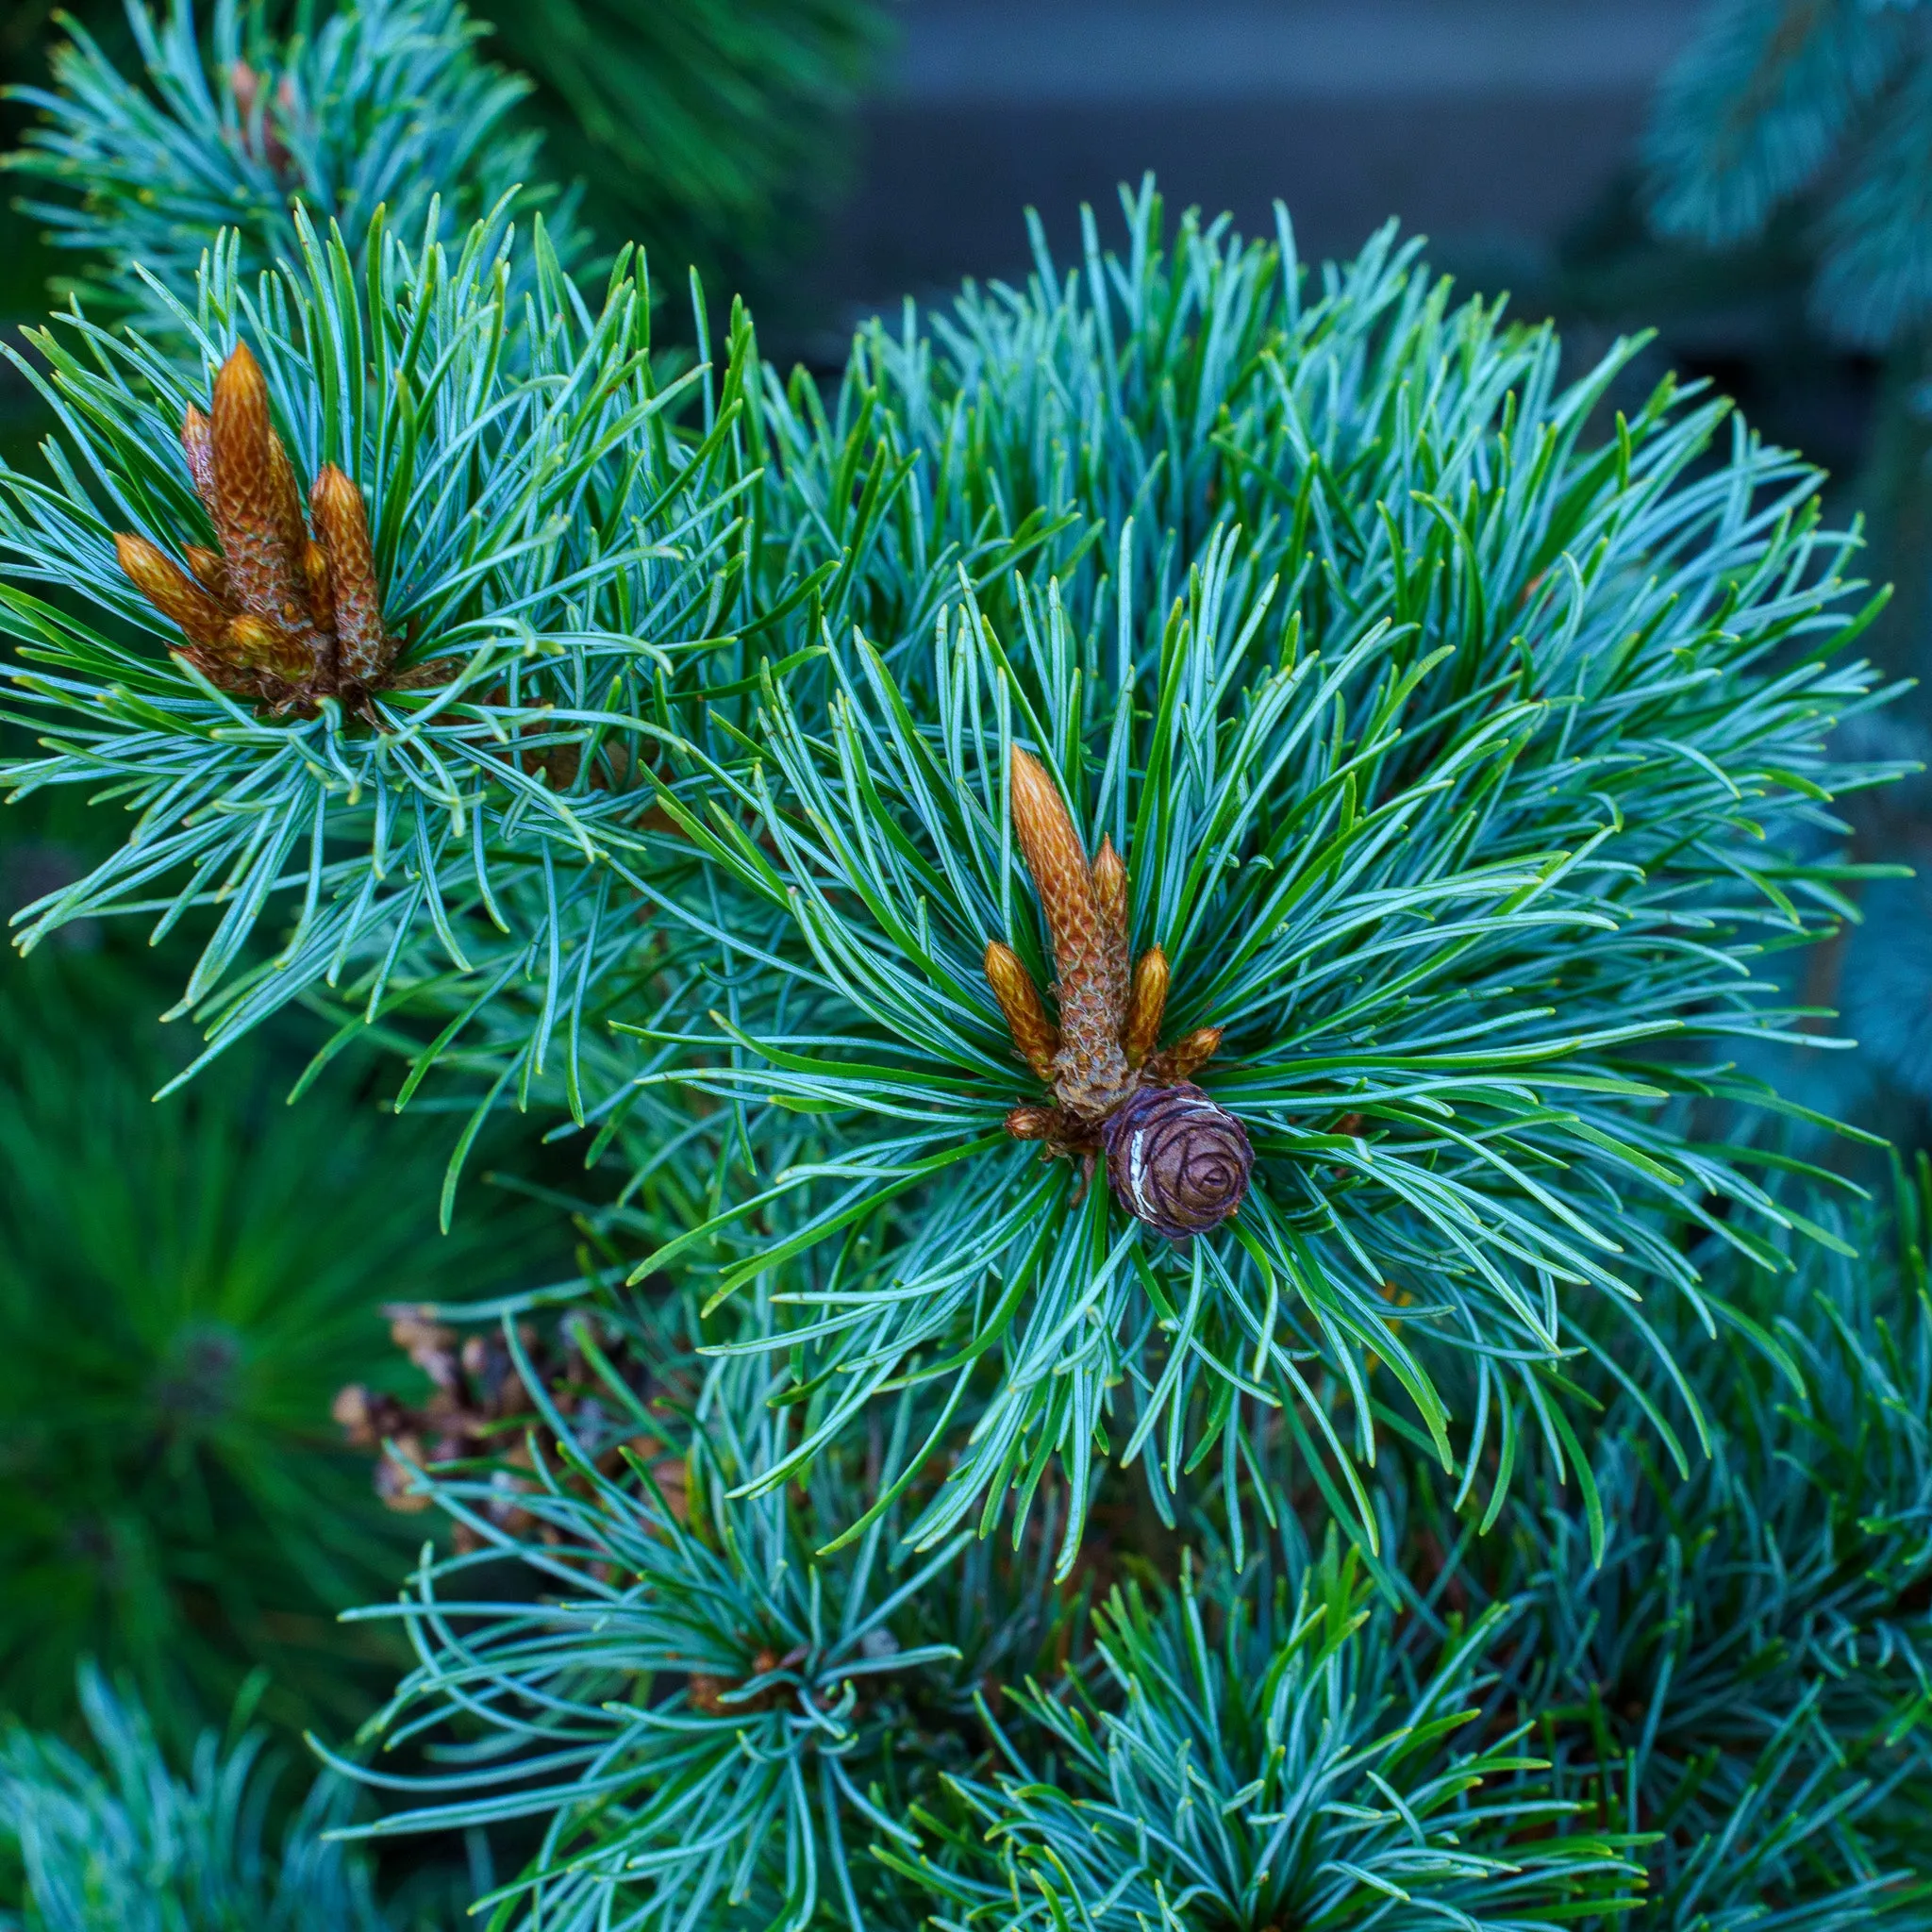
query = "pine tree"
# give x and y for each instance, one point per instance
(1145, 912)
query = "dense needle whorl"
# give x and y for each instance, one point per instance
(1175, 1160)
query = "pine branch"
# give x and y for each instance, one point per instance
(385, 107)
(1742, 1672)
(550, 558)
(1270, 1753)
(1465, 848)
(1820, 101)
(1875, 280)
(1458, 767)
(710, 1713)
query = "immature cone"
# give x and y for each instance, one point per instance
(171, 590)
(263, 647)
(1184, 1059)
(275, 611)
(210, 572)
(321, 599)
(1109, 877)
(1175, 1160)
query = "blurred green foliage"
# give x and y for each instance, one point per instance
(119, 1839)
(713, 131)
(1786, 177)
(183, 1287)
(1821, 105)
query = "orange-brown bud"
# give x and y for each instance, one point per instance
(1145, 1005)
(1034, 1123)
(290, 520)
(1056, 860)
(247, 86)
(171, 590)
(210, 572)
(1111, 900)
(257, 513)
(264, 647)
(1034, 1034)
(1184, 1057)
(315, 575)
(1091, 1073)
(363, 649)
(355, 1415)
(198, 442)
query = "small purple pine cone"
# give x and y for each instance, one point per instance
(1175, 1160)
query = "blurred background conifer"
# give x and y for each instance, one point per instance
(185, 1286)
